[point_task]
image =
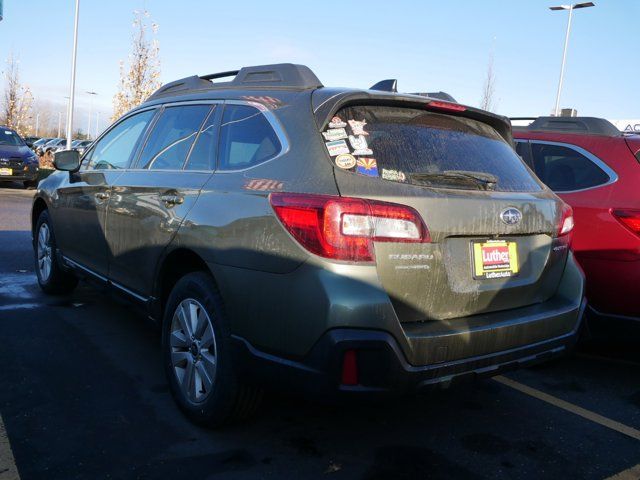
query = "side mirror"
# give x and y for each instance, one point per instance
(67, 160)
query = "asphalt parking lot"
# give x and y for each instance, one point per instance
(83, 395)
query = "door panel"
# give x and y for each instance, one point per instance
(146, 209)
(80, 218)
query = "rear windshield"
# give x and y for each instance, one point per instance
(424, 148)
(8, 137)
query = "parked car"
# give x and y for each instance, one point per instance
(38, 144)
(350, 242)
(80, 145)
(17, 162)
(30, 141)
(594, 168)
(55, 145)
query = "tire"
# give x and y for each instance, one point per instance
(199, 367)
(51, 277)
(30, 184)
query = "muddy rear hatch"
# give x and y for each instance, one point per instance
(493, 238)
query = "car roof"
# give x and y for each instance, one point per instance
(575, 125)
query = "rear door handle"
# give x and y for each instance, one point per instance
(102, 195)
(170, 200)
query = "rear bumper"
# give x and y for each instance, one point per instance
(383, 368)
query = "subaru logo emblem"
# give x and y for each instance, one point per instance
(511, 216)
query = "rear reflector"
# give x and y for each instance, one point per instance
(344, 228)
(350, 368)
(629, 218)
(447, 106)
(566, 221)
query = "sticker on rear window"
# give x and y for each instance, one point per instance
(346, 161)
(359, 143)
(336, 122)
(395, 175)
(357, 127)
(337, 147)
(335, 134)
(367, 166)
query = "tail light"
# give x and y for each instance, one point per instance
(566, 221)
(629, 218)
(343, 228)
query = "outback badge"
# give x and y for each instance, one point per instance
(511, 216)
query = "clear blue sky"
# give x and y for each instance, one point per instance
(427, 45)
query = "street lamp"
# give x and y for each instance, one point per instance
(72, 86)
(571, 8)
(93, 94)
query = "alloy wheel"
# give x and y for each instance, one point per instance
(193, 350)
(44, 252)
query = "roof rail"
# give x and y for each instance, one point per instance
(280, 75)
(590, 125)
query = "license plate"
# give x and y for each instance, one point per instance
(6, 171)
(494, 259)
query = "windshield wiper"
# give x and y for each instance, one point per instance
(481, 180)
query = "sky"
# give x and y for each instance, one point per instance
(426, 45)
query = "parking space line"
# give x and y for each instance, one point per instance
(8, 469)
(570, 407)
(632, 474)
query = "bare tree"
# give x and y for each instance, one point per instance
(16, 103)
(488, 102)
(142, 76)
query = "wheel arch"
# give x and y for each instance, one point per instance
(39, 206)
(174, 265)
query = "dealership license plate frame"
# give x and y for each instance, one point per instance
(507, 270)
(6, 172)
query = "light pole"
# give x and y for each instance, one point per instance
(571, 8)
(72, 86)
(93, 94)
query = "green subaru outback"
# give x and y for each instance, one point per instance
(339, 241)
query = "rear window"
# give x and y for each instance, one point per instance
(424, 148)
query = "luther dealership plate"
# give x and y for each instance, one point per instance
(6, 171)
(494, 259)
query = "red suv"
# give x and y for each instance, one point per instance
(596, 169)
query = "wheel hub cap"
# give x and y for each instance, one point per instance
(193, 350)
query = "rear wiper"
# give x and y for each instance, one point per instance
(483, 181)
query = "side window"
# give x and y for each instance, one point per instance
(246, 138)
(203, 154)
(564, 169)
(172, 136)
(115, 148)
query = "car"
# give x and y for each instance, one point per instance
(341, 242)
(80, 145)
(38, 144)
(55, 145)
(595, 168)
(18, 163)
(30, 141)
